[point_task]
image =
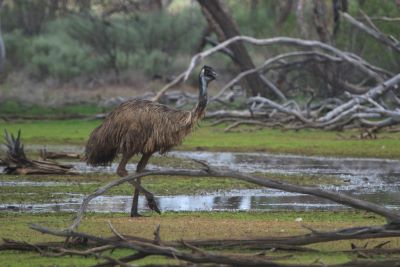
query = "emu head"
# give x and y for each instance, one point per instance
(208, 73)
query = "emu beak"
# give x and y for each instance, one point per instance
(214, 74)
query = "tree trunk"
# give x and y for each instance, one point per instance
(224, 26)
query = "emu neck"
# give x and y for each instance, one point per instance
(199, 110)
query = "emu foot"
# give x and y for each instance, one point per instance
(135, 215)
(151, 202)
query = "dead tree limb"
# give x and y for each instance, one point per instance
(395, 46)
(392, 217)
(351, 59)
(299, 240)
(383, 18)
(347, 57)
(197, 255)
(371, 94)
(152, 249)
(44, 155)
(225, 27)
(271, 61)
(16, 162)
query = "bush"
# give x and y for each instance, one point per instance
(75, 45)
(144, 42)
(52, 54)
(17, 46)
(61, 57)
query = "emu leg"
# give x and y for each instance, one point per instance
(140, 167)
(121, 170)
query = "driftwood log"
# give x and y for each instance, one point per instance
(16, 162)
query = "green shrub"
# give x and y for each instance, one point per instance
(145, 42)
(59, 56)
(17, 46)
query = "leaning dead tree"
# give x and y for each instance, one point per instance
(220, 21)
(204, 251)
(16, 162)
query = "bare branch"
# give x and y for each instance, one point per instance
(371, 94)
(390, 215)
(196, 59)
(199, 256)
(372, 32)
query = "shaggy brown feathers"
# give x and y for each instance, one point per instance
(139, 126)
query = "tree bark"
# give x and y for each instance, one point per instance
(225, 27)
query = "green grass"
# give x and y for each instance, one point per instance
(159, 185)
(189, 225)
(306, 142)
(14, 108)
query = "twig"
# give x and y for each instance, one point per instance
(157, 238)
(115, 232)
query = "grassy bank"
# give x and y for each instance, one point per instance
(306, 142)
(192, 225)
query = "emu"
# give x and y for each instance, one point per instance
(144, 127)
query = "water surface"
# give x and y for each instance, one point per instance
(374, 180)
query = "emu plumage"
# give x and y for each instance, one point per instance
(144, 127)
(138, 126)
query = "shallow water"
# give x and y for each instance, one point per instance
(240, 200)
(359, 170)
(375, 180)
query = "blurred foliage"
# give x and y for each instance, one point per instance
(65, 40)
(13, 107)
(81, 44)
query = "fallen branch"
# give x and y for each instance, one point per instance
(44, 155)
(16, 162)
(371, 94)
(392, 217)
(196, 255)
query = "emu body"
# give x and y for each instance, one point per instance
(144, 127)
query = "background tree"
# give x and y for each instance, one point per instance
(224, 26)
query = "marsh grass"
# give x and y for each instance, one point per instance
(159, 185)
(206, 137)
(190, 225)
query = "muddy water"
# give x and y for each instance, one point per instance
(370, 179)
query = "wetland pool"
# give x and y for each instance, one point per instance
(375, 180)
